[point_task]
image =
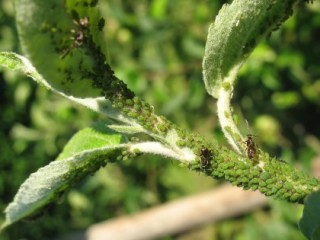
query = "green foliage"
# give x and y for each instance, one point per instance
(235, 33)
(85, 153)
(96, 137)
(44, 25)
(310, 221)
(157, 48)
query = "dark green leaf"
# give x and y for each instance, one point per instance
(309, 224)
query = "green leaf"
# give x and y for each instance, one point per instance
(235, 32)
(309, 224)
(12, 61)
(86, 152)
(17, 62)
(97, 136)
(51, 34)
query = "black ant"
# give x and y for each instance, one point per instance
(205, 157)
(251, 146)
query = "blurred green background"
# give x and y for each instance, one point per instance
(157, 48)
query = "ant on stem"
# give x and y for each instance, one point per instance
(251, 146)
(205, 157)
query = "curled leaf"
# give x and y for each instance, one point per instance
(236, 31)
(17, 62)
